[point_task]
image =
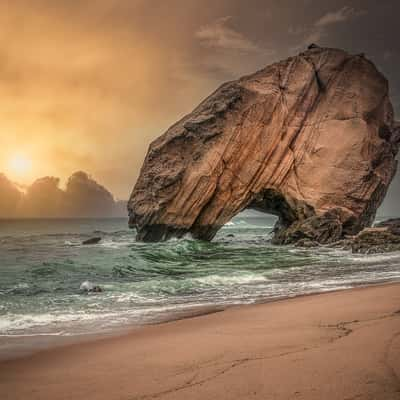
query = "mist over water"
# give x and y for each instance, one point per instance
(43, 263)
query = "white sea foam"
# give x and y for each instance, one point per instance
(20, 322)
(115, 244)
(215, 280)
(70, 243)
(375, 258)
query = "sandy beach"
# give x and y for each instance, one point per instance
(341, 345)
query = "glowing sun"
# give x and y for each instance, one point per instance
(19, 164)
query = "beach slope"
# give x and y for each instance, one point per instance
(341, 345)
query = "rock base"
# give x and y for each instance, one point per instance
(383, 238)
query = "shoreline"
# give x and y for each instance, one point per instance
(158, 360)
(43, 342)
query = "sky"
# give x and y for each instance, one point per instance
(87, 85)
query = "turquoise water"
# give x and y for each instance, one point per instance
(43, 263)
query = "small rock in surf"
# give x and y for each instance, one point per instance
(93, 240)
(89, 287)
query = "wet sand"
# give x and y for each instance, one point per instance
(342, 345)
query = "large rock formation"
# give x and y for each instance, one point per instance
(310, 139)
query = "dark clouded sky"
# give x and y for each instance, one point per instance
(86, 85)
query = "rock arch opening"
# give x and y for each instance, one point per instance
(250, 222)
(271, 201)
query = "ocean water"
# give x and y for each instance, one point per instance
(43, 263)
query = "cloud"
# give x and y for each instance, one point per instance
(220, 35)
(388, 55)
(344, 14)
(223, 49)
(318, 29)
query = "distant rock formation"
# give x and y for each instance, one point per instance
(310, 139)
(86, 198)
(10, 197)
(43, 198)
(82, 197)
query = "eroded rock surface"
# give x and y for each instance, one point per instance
(376, 240)
(311, 139)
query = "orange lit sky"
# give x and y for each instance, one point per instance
(87, 85)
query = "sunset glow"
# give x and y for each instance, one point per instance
(19, 165)
(120, 82)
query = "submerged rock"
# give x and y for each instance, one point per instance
(93, 240)
(310, 139)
